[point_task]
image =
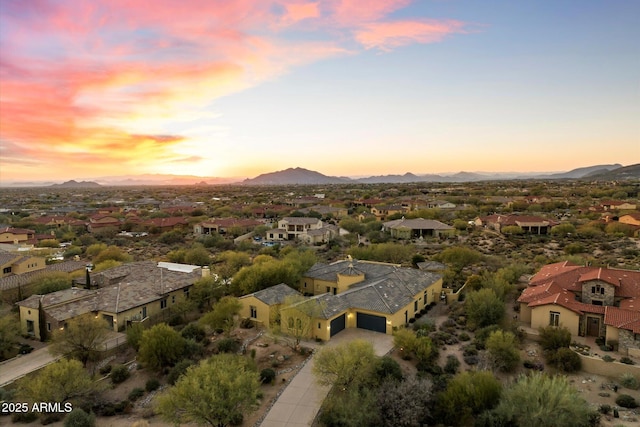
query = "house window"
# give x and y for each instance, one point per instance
(49, 326)
(290, 322)
(144, 312)
(6, 270)
(328, 289)
(163, 303)
(424, 298)
(319, 326)
(186, 292)
(596, 302)
(298, 324)
(554, 318)
(636, 337)
(415, 306)
(173, 299)
(254, 311)
(597, 289)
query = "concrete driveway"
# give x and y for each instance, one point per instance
(300, 402)
(20, 366)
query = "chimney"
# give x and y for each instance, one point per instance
(206, 272)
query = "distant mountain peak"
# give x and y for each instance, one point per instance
(293, 176)
(75, 184)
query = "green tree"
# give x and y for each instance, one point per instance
(62, 381)
(484, 308)
(552, 337)
(9, 334)
(403, 403)
(206, 290)
(216, 392)
(352, 407)
(198, 255)
(47, 283)
(79, 418)
(346, 365)
(224, 315)
(467, 395)
(161, 346)
(563, 229)
(112, 253)
(539, 400)
(503, 349)
(134, 335)
(82, 338)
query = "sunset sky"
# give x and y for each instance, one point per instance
(236, 88)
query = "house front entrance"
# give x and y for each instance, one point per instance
(593, 327)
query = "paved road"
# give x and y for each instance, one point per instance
(20, 366)
(299, 404)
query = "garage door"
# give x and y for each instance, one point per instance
(337, 324)
(371, 322)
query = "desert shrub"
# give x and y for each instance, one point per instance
(629, 381)
(604, 409)
(119, 373)
(136, 394)
(463, 336)
(482, 335)
(194, 331)
(105, 370)
(246, 323)
(267, 376)
(627, 360)
(553, 338)
(471, 360)
(567, 360)
(228, 345)
(388, 368)
(179, 369)
(24, 417)
(152, 384)
(79, 418)
(530, 364)
(626, 401)
(470, 350)
(608, 358)
(452, 364)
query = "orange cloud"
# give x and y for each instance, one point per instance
(389, 35)
(99, 81)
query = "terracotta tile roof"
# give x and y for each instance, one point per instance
(534, 293)
(622, 319)
(567, 300)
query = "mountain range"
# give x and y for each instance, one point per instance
(303, 176)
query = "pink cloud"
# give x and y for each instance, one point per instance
(389, 35)
(77, 76)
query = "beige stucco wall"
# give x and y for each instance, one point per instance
(263, 310)
(29, 314)
(525, 313)
(153, 309)
(568, 318)
(29, 264)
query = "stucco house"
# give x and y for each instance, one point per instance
(127, 293)
(589, 301)
(223, 225)
(631, 219)
(358, 294)
(417, 228)
(12, 263)
(529, 224)
(17, 235)
(261, 306)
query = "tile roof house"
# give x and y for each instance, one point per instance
(222, 225)
(260, 306)
(362, 294)
(305, 229)
(529, 224)
(17, 235)
(417, 228)
(589, 301)
(127, 293)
